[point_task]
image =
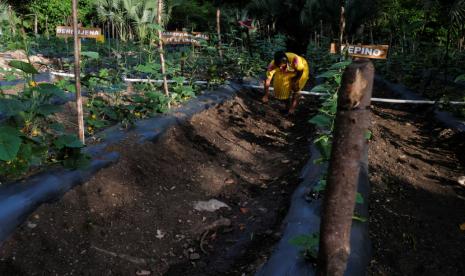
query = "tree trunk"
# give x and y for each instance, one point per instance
(352, 121)
(36, 25)
(218, 30)
(47, 33)
(160, 49)
(11, 19)
(342, 24)
(371, 34)
(77, 72)
(446, 57)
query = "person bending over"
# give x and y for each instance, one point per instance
(289, 73)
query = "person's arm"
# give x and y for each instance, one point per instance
(267, 90)
(294, 102)
(295, 81)
(269, 76)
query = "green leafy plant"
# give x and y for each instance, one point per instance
(28, 136)
(308, 244)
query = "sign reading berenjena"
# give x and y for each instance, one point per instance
(67, 31)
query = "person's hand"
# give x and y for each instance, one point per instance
(295, 86)
(291, 112)
(265, 99)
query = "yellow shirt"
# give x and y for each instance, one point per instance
(282, 79)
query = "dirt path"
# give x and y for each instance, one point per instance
(137, 217)
(416, 204)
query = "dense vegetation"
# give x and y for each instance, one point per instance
(426, 40)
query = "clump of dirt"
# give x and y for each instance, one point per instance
(416, 204)
(137, 217)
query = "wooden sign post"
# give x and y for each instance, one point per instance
(363, 51)
(77, 72)
(77, 33)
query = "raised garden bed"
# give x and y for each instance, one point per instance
(138, 215)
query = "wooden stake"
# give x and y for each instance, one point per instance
(218, 30)
(11, 19)
(342, 23)
(77, 72)
(36, 25)
(160, 48)
(352, 122)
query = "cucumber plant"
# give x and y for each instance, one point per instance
(28, 136)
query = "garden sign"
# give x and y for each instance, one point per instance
(176, 37)
(364, 51)
(67, 31)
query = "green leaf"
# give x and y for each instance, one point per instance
(359, 218)
(155, 27)
(71, 88)
(50, 90)
(340, 65)
(47, 109)
(23, 66)
(57, 127)
(323, 144)
(321, 186)
(68, 141)
(329, 74)
(77, 161)
(90, 54)
(359, 198)
(324, 88)
(368, 134)
(179, 80)
(11, 107)
(460, 78)
(308, 242)
(10, 77)
(97, 123)
(150, 68)
(10, 141)
(322, 121)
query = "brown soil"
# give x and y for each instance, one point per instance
(416, 204)
(137, 217)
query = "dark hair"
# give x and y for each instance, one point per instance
(280, 58)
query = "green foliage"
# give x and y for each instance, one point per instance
(27, 137)
(57, 12)
(359, 218)
(10, 142)
(368, 135)
(308, 244)
(23, 66)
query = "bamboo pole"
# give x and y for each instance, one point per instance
(36, 25)
(12, 20)
(218, 30)
(160, 48)
(77, 71)
(342, 23)
(352, 122)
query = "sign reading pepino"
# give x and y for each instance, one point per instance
(67, 31)
(368, 51)
(365, 51)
